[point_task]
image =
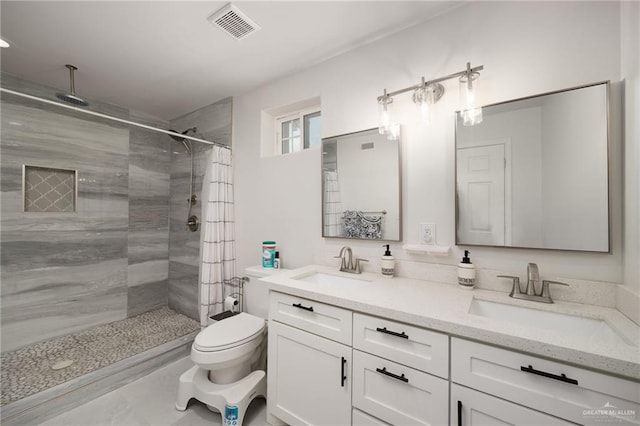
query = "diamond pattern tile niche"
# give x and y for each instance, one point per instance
(49, 190)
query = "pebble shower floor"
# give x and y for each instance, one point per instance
(29, 370)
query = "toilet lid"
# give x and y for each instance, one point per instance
(229, 332)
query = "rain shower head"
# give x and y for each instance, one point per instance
(71, 96)
(183, 141)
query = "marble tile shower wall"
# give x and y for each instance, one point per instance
(148, 237)
(62, 272)
(214, 124)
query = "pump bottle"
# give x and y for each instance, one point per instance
(466, 272)
(388, 263)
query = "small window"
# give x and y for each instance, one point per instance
(312, 134)
(297, 131)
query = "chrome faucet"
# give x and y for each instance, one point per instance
(530, 292)
(348, 263)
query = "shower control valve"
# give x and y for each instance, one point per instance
(193, 223)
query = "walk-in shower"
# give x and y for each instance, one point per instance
(193, 223)
(106, 291)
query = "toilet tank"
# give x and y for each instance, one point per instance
(256, 292)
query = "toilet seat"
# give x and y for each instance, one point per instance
(229, 333)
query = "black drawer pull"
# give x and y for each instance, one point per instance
(393, 333)
(561, 377)
(459, 413)
(301, 306)
(342, 375)
(395, 376)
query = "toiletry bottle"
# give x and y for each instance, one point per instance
(388, 263)
(276, 261)
(466, 272)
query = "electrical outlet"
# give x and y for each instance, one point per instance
(428, 233)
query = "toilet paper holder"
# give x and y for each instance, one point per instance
(233, 298)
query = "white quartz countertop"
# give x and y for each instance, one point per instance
(445, 308)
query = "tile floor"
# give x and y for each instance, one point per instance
(150, 401)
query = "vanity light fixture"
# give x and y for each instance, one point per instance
(428, 93)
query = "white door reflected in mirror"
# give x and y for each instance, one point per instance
(535, 173)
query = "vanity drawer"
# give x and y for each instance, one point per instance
(406, 344)
(539, 383)
(315, 317)
(398, 394)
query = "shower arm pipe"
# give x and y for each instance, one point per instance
(108, 117)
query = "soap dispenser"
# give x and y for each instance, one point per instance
(388, 263)
(466, 272)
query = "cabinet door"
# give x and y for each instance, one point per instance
(362, 419)
(473, 408)
(309, 378)
(398, 394)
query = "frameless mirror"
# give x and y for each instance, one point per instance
(535, 173)
(361, 195)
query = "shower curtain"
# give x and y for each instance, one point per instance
(218, 252)
(333, 226)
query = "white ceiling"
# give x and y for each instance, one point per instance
(166, 59)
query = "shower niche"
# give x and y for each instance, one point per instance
(49, 190)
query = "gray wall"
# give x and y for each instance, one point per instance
(214, 124)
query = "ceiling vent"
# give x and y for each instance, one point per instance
(234, 22)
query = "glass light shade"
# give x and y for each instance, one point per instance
(471, 113)
(385, 108)
(423, 97)
(426, 96)
(393, 133)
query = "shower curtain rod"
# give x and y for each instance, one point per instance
(108, 117)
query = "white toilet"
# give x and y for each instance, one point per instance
(230, 357)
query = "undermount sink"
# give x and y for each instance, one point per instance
(323, 278)
(581, 327)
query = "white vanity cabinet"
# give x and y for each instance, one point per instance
(332, 366)
(309, 375)
(393, 372)
(557, 389)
